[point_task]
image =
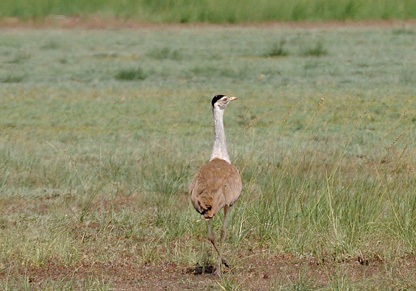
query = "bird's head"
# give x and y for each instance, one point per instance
(221, 101)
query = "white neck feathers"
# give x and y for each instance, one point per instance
(219, 150)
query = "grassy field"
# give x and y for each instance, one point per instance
(213, 11)
(102, 130)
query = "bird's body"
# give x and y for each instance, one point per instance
(216, 185)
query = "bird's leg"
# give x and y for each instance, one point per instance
(211, 238)
(224, 231)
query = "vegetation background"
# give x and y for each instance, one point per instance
(101, 131)
(213, 11)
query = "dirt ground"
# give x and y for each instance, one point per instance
(96, 22)
(283, 271)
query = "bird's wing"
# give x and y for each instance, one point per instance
(215, 185)
(232, 186)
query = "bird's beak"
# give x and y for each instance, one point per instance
(233, 98)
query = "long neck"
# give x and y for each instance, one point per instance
(220, 146)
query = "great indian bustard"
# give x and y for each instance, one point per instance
(217, 184)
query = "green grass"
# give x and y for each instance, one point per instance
(216, 11)
(94, 170)
(165, 53)
(316, 50)
(131, 74)
(277, 50)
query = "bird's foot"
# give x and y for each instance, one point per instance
(217, 272)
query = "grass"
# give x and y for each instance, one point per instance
(316, 50)
(277, 50)
(13, 79)
(165, 53)
(214, 11)
(131, 74)
(94, 170)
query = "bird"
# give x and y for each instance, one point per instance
(217, 185)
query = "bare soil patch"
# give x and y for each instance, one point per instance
(97, 22)
(253, 273)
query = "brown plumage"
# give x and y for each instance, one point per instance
(216, 185)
